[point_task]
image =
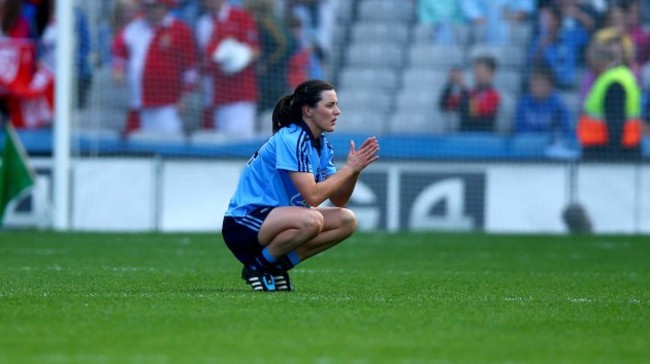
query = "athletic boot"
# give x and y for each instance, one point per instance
(282, 280)
(259, 281)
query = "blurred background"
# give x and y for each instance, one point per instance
(522, 116)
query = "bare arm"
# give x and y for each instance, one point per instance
(341, 196)
(338, 187)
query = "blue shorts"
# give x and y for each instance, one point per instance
(240, 233)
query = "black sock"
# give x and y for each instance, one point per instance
(287, 262)
(262, 261)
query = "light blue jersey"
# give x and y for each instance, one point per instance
(265, 181)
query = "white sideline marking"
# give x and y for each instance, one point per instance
(130, 269)
(583, 300)
(518, 299)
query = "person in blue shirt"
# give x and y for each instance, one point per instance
(492, 20)
(558, 46)
(274, 221)
(542, 110)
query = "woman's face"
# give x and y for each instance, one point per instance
(325, 113)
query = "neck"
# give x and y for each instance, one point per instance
(315, 130)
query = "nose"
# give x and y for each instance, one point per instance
(337, 111)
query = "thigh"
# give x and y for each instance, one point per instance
(285, 218)
(336, 217)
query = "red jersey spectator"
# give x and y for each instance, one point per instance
(300, 61)
(231, 46)
(12, 23)
(159, 55)
(478, 107)
(16, 66)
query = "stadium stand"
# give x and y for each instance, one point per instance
(388, 72)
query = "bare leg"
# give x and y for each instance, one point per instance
(287, 228)
(339, 224)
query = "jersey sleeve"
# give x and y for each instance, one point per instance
(330, 169)
(292, 152)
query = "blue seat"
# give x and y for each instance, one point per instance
(529, 144)
(476, 145)
(37, 141)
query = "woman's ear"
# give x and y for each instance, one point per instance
(306, 111)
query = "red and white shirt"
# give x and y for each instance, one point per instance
(234, 23)
(161, 61)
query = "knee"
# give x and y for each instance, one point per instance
(313, 222)
(348, 220)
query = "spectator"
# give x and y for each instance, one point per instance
(277, 46)
(627, 55)
(542, 110)
(557, 46)
(125, 11)
(579, 12)
(640, 37)
(82, 51)
(440, 16)
(12, 23)
(478, 107)
(14, 26)
(610, 126)
(492, 19)
(230, 42)
(159, 56)
(317, 18)
(305, 63)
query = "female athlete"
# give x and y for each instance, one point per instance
(274, 220)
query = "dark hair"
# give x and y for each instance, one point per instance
(487, 61)
(288, 110)
(10, 14)
(544, 71)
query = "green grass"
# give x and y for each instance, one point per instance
(429, 298)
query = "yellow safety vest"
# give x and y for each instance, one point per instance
(592, 126)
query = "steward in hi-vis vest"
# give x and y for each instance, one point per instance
(610, 126)
(593, 127)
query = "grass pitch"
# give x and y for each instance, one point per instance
(404, 298)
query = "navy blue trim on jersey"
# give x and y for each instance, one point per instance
(266, 180)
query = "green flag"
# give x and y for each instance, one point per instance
(15, 174)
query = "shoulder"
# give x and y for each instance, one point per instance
(292, 135)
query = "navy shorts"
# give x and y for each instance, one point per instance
(240, 233)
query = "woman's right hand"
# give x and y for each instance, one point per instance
(358, 159)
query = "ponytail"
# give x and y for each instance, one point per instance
(288, 110)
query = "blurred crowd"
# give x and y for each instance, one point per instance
(27, 60)
(240, 56)
(575, 46)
